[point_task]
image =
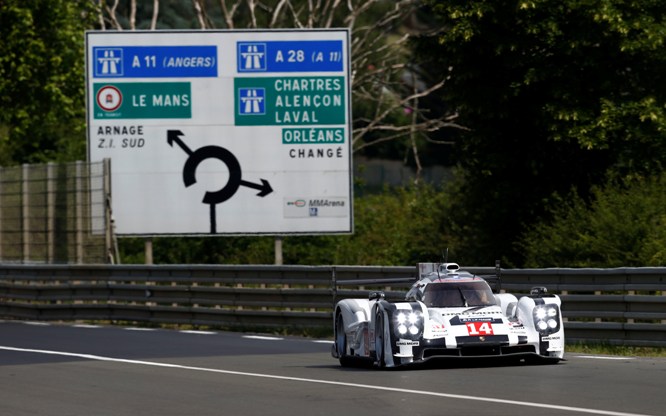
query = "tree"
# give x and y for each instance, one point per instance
(623, 225)
(397, 227)
(556, 95)
(386, 88)
(42, 98)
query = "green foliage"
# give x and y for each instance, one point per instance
(42, 98)
(200, 250)
(616, 350)
(622, 225)
(594, 69)
(388, 121)
(401, 226)
(556, 95)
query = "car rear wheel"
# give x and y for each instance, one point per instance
(341, 342)
(379, 339)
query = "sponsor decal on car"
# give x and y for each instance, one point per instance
(549, 338)
(479, 319)
(407, 343)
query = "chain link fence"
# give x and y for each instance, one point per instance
(55, 213)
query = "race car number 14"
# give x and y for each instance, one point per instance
(479, 328)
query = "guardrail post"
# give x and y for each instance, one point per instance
(50, 212)
(278, 251)
(25, 200)
(334, 285)
(1, 227)
(79, 212)
(148, 250)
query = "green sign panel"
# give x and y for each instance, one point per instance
(313, 135)
(142, 100)
(289, 101)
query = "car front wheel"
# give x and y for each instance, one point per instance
(380, 352)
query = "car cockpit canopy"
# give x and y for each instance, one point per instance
(445, 285)
(458, 294)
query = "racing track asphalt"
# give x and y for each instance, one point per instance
(87, 370)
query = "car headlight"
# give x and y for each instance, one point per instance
(408, 324)
(540, 313)
(547, 318)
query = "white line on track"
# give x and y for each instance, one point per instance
(598, 357)
(140, 329)
(263, 338)
(189, 331)
(327, 382)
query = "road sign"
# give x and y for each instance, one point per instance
(223, 132)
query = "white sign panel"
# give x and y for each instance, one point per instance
(223, 132)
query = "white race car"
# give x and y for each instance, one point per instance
(448, 313)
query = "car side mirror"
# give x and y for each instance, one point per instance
(538, 291)
(376, 295)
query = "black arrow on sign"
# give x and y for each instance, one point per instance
(265, 187)
(174, 136)
(225, 156)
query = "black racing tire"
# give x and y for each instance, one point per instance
(380, 350)
(341, 342)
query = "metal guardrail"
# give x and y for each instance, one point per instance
(623, 306)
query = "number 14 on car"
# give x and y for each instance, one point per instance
(479, 328)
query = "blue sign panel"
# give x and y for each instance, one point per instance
(155, 61)
(290, 56)
(252, 101)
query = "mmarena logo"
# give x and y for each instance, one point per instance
(299, 203)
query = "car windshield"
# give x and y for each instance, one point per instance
(458, 294)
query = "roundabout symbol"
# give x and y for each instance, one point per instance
(234, 182)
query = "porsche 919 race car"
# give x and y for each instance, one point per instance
(448, 313)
